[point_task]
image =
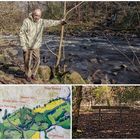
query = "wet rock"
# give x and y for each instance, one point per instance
(116, 68)
(85, 47)
(105, 79)
(19, 74)
(119, 68)
(89, 79)
(44, 73)
(112, 81)
(97, 81)
(99, 77)
(123, 66)
(94, 60)
(100, 60)
(114, 73)
(73, 78)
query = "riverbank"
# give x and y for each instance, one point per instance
(99, 59)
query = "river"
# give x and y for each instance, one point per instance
(95, 58)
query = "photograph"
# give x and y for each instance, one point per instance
(106, 112)
(69, 69)
(35, 112)
(70, 42)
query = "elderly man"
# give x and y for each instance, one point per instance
(30, 41)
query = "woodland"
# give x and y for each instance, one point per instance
(106, 112)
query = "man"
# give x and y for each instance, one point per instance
(30, 41)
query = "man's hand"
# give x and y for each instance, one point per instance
(24, 49)
(63, 22)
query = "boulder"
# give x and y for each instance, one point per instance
(12, 52)
(2, 73)
(55, 81)
(2, 59)
(44, 73)
(73, 78)
(13, 69)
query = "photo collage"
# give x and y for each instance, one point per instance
(69, 69)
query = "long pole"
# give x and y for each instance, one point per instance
(62, 32)
(61, 38)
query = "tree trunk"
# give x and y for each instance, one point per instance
(76, 106)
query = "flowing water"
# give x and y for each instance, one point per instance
(90, 55)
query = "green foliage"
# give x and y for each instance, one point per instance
(51, 119)
(65, 124)
(129, 95)
(25, 115)
(99, 94)
(12, 134)
(28, 133)
(2, 129)
(106, 95)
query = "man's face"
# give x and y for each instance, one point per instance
(36, 15)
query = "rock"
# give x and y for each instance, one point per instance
(116, 68)
(5, 67)
(54, 81)
(85, 47)
(13, 69)
(94, 60)
(112, 81)
(12, 51)
(1, 72)
(19, 73)
(119, 68)
(123, 66)
(2, 59)
(97, 81)
(44, 73)
(114, 73)
(105, 80)
(73, 78)
(8, 79)
(98, 77)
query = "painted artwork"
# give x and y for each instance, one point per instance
(35, 112)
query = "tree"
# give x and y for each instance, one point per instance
(77, 98)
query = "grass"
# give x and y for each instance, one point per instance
(49, 106)
(29, 133)
(60, 110)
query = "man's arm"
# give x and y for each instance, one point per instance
(50, 23)
(22, 35)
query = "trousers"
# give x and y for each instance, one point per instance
(31, 61)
